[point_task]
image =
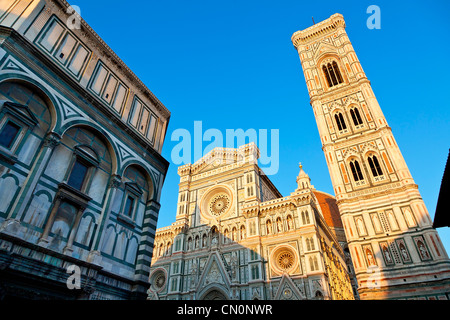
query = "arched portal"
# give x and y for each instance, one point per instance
(214, 294)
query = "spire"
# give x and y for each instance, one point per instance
(303, 180)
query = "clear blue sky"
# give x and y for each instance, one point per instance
(231, 64)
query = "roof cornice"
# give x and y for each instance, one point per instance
(318, 30)
(114, 58)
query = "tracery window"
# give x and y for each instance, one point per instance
(356, 170)
(374, 166)
(332, 74)
(340, 121)
(310, 244)
(313, 263)
(356, 117)
(305, 217)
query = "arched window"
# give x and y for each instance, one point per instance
(374, 166)
(340, 121)
(305, 217)
(337, 72)
(313, 264)
(310, 244)
(356, 116)
(356, 170)
(332, 74)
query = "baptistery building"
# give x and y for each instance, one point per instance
(81, 170)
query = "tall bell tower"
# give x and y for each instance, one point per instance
(395, 251)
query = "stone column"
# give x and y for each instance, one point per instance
(43, 241)
(145, 251)
(114, 184)
(68, 249)
(40, 164)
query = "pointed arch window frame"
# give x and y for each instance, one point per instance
(357, 119)
(356, 171)
(376, 168)
(332, 73)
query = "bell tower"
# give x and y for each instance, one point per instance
(395, 250)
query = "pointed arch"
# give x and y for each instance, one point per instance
(355, 169)
(374, 165)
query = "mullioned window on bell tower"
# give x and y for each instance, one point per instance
(356, 170)
(340, 121)
(356, 116)
(332, 74)
(375, 166)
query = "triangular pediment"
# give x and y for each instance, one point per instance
(217, 158)
(323, 48)
(214, 273)
(22, 112)
(287, 290)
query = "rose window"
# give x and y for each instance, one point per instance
(219, 204)
(159, 280)
(285, 260)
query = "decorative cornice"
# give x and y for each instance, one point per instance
(318, 30)
(227, 156)
(113, 58)
(375, 192)
(14, 41)
(330, 95)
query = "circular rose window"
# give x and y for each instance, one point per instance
(158, 280)
(216, 202)
(219, 204)
(284, 259)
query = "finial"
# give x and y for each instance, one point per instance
(300, 165)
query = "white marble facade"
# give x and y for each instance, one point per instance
(229, 242)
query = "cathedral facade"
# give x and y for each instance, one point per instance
(397, 254)
(81, 170)
(236, 237)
